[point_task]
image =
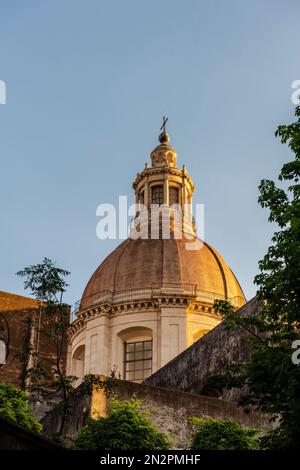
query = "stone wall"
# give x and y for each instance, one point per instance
(209, 355)
(170, 410)
(79, 410)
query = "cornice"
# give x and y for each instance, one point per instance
(155, 304)
(162, 171)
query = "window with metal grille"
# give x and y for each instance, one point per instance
(173, 196)
(138, 360)
(157, 195)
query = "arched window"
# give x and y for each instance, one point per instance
(137, 353)
(78, 364)
(157, 194)
(173, 196)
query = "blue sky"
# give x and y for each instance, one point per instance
(87, 85)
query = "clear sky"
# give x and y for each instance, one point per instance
(88, 82)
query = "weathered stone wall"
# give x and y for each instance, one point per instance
(209, 355)
(170, 410)
(79, 410)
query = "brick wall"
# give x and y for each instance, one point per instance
(22, 314)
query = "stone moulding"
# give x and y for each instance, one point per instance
(145, 299)
(160, 171)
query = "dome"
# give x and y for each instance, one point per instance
(153, 296)
(164, 155)
(143, 264)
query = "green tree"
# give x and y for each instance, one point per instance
(217, 434)
(127, 427)
(272, 378)
(47, 378)
(14, 407)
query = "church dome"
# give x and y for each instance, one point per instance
(138, 264)
(153, 296)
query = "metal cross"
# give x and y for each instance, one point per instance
(163, 127)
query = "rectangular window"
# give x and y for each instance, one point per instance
(157, 194)
(138, 360)
(142, 197)
(173, 196)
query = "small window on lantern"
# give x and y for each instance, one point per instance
(173, 196)
(142, 197)
(157, 195)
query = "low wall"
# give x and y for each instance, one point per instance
(170, 411)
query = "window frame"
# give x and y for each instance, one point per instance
(159, 196)
(138, 355)
(171, 189)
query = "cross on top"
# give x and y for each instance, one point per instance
(163, 127)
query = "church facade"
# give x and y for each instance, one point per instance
(153, 296)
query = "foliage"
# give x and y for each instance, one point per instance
(215, 434)
(91, 381)
(14, 407)
(46, 378)
(127, 427)
(45, 281)
(273, 380)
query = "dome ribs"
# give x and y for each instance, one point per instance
(154, 263)
(221, 269)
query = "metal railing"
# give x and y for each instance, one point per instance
(151, 293)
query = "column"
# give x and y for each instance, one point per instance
(146, 194)
(166, 189)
